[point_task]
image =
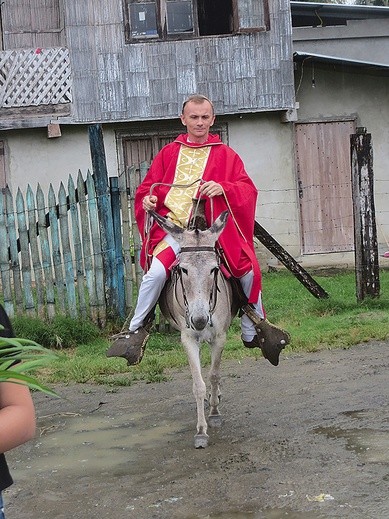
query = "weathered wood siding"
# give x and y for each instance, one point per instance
(252, 13)
(114, 80)
(32, 23)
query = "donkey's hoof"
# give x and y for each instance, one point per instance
(201, 441)
(215, 420)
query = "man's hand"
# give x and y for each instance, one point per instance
(211, 189)
(149, 203)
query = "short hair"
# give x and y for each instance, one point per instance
(197, 98)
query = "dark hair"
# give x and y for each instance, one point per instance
(197, 98)
(7, 330)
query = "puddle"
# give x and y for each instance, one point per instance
(371, 445)
(92, 444)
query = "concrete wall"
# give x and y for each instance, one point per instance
(361, 40)
(32, 158)
(266, 146)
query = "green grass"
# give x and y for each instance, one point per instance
(339, 321)
(61, 332)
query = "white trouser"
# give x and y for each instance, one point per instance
(151, 287)
(154, 280)
(247, 325)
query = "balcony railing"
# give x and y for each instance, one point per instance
(33, 77)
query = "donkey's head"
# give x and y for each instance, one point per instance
(198, 268)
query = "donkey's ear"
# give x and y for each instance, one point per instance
(218, 225)
(167, 225)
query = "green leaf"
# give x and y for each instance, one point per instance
(18, 356)
(18, 378)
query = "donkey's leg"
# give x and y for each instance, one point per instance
(214, 418)
(192, 348)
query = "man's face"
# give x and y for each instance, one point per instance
(198, 119)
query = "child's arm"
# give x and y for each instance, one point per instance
(17, 415)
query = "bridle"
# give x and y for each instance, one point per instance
(177, 276)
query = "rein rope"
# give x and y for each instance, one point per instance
(149, 218)
(177, 271)
(148, 222)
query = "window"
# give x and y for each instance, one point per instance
(143, 20)
(179, 17)
(175, 19)
(31, 24)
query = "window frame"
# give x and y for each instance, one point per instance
(33, 30)
(161, 23)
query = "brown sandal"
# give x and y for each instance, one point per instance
(129, 345)
(270, 339)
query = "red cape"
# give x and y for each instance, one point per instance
(225, 167)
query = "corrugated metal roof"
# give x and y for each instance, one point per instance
(368, 66)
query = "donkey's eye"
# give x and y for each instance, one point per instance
(214, 270)
(184, 270)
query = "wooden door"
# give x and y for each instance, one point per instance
(140, 149)
(324, 182)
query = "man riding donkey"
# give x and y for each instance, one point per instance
(198, 165)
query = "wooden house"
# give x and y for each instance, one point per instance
(67, 63)
(129, 64)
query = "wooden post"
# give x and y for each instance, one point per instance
(100, 174)
(119, 264)
(365, 231)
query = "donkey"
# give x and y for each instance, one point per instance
(197, 300)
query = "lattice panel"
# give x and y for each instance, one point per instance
(32, 77)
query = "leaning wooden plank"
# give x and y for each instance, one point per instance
(117, 231)
(45, 252)
(290, 263)
(96, 244)
(13, 250)
(29, 303)
(67, 251)
(56, 251)
(103, 201)
(4, 261)
(35, 256)
(77, 247)
(87, 250)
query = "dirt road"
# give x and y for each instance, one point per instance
(308, 439)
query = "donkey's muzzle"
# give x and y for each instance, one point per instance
(198, 323)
